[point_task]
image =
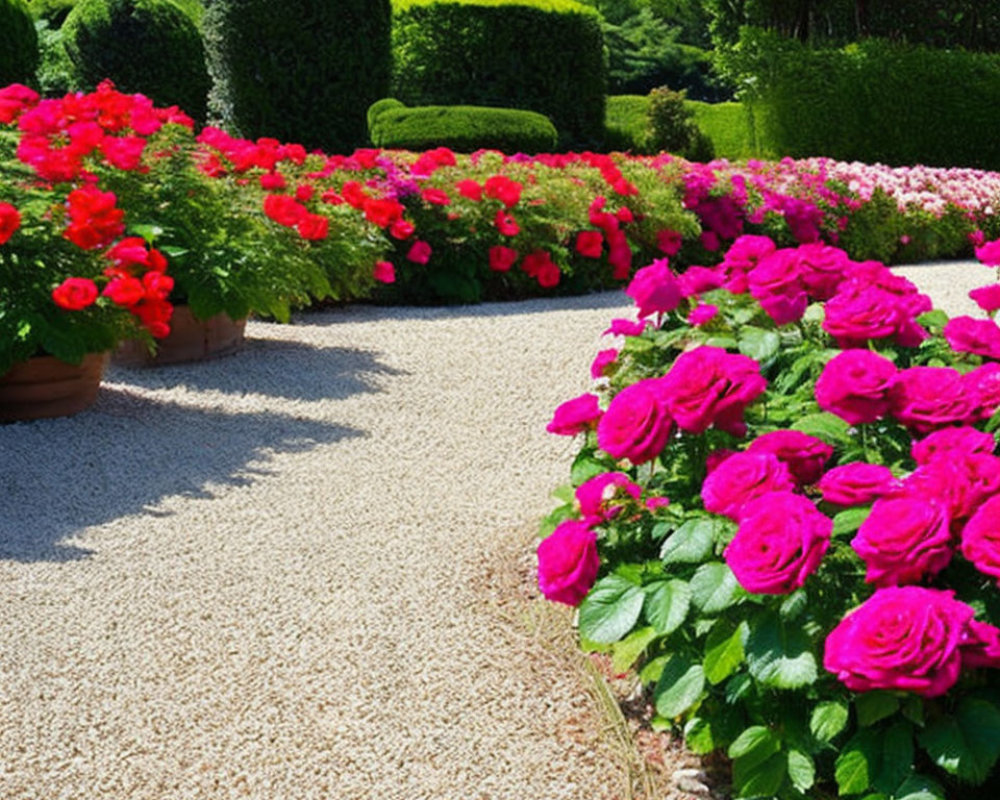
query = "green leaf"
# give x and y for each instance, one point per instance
(724, 650)
(651, 672)
(828, 719)
(667, 605)
(793, 605)
(873, 706)
(967, 744)
(691, 543)
(780, 655)
(714, 588)
(760, 780)
(585, 467)
(626, 652)
(828, 427)
(849, 520)
(801, 770)
(919, 787)
(756, 744)
(610, 609)
(913, 709)
(935, 318)
(858, 763)
(761, 345)
(699, 736)
(897, 756)
(680, 686)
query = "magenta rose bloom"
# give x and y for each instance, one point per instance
(855, 386)
(568, 562)
(626, 327)
(805, 455)
(601, 362)
(907, 638)
(960, 483)
(743, 255)
(983, 383)
(708, 386)
(858, 312)
(575, 416)
(595, 496)
(655, 288)
(987, 297)
(857, 484)
(951, 442)
(989, 254)
(822, 269)
(776, 284)
(925, 398)
(970, 335)
(981, 647)
(781, 540)
(637, 424)
(981, 538)
(903, 540)
(741, 478)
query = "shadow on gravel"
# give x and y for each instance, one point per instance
(273, 368)
(125, 455)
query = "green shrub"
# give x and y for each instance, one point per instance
(53, 12)
(544, 55)
(729, 127)
(671, 126)
(625, 123)
(148, 46)
(18, 43)
(376, 108)
(464, 128)
(890, 102)
(304, 73)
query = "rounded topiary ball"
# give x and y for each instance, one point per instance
(18, 43)
(148, 46)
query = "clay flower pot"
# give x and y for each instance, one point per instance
(189, 339)
(44, 386)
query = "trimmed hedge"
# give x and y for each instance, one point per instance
(462, 128)
(878, 101)
(18, 43)
(304, 71)
(53, 12)
(540, 55)
(148, 46)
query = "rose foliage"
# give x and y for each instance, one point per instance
(785, 515)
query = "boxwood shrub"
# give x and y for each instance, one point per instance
(148, 46)
(305, 73)
(18, 43)
(541, 55)
(464, 129)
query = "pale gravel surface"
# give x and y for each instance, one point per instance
(262, 576)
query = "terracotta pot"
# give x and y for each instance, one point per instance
(189, 339)
(47, 387)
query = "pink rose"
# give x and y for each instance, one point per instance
(601, 362)
(805, 455)
(637, 424)
(697, 280)
(857, 484)
(859, 312)
(709, 386)
(989, 254)
(655, 288)
(981, 647)
(959, 483)
(855, 386)
(776, 283)
(948, 442)
(983, 384)
(626, 327)
(595, 496)
(744, 254)
(907, 638)
(575, 416)
(419, 252)
(568, 562)
(925, 398)
(822, 269)
(705, 312)
(987, 297)
(741, 478)
(970, 335)
(903, 540)
(781, 539)
(981, 538)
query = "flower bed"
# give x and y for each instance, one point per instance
(785, 515)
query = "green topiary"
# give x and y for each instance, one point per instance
(148, 46)
(670, 122)
(18, 43)
(464, 129)
(54, 12)
(305, 74)
(542, 55)
(376, 108)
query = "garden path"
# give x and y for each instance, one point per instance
(290, 574)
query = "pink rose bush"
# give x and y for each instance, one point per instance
(829, 559)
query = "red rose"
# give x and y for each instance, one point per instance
(506, 224)
(10, 221)
(589, 244)
(420, 252)
(384, 272)
(502, 258)
(313, 227)
(502, 188)
(75, 294)
(284, 210)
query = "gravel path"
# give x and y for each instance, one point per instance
(276, 575)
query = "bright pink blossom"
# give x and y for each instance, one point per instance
(741, 478)
(970, 335)
(805, 455)
(925, 398)
(568, 562)
(637, 424)
(903, 540)
(858, 483)
(655, 289)
(575, 416)
(855, 385)
(596, 496)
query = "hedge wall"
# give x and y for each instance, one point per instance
(879, 101)
(463, 129)
(18, 43)
(541, 55)
(303, 71)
